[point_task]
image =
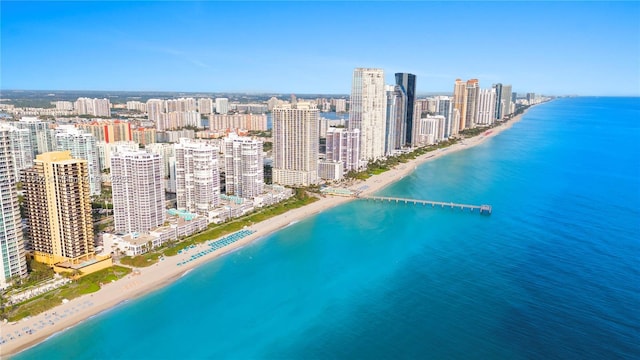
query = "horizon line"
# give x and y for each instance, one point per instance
(285, 92)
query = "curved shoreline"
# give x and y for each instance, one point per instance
(166, 272)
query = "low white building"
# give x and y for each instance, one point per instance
(330, 170)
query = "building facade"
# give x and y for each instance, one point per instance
(344, 146)
(95, 107)
(197, 177)
(42, 140)
(58, 206)
(83, 146)
(458, 111)
(244, 169)
(222, 105)
(108, 131)
(295, 144)
(13, 262)
(137, 183)
(395, 119)
(407, 83)
(486, 107)
(21, 150)
(367, 112)
(507, 100)
(472, 93)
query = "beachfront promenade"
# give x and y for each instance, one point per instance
(483, 209)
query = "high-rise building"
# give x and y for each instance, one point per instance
(95, 107)
(21, 151)
(155, 107)
(83, 146)
(430, 129)
(136, 106)
(408, 84)
(444, 108)
(344, 145)
(105, 150)
(531, 98)
(486, 107)
(181, 105)
(205, 106)
(197, 177)
(458, 112)
(238, 121)
(42, 140)
(178, 120)
(499, 101)
(12, 253)
(472, 92)
(367, 112)
(273, 102)
(63, 105)
(507, 100)
(138, 191)
(340, 104)
(395, 119)
(295, 144)
(58, 206)
(168, 153)
(144, 136)
(244, 169)
(108, 131)
(222, 105)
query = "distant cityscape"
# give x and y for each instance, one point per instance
(87, 180)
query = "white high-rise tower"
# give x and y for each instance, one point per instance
(197, 177)
(367, 112)
(244, 174)
(83, 146)
(137, 181)
(12, 254)
(486, 107)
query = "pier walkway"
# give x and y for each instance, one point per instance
(483, 209)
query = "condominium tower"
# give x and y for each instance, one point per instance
(295, 144)
(12, 254)
(407, 82)
(344, 145)
(458, 111)
(83, 146)
(58, 206)
(222, 105)
(367, 112)
(472, 92)
(486, 107)
(41, 135)
(138, 191)
(395, 119)
(244, 170)
(507, 100)
(197, 176)
(21, 150)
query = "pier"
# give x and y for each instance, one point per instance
(482, 209)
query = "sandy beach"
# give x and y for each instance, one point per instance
(30, 331)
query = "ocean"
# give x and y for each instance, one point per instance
(553, 273)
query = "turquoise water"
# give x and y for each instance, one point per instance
(553, 273)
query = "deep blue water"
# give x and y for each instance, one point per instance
(553, 273)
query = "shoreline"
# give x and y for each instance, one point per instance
(165, 272)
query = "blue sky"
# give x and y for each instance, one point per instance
(583, 48)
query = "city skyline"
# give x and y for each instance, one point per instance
(581, 49)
